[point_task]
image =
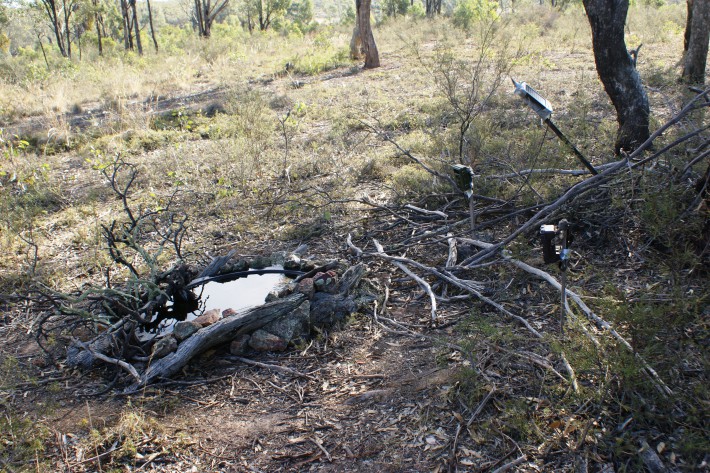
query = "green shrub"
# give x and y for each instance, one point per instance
(468, 12)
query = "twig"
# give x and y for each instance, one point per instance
(425, 285)
(108, 452)
(426, 212)
(130, 369)
(535, 358)
(454, 446)
(510, 465)
(319, 444)
(355, 250)
(525, 172)
(598, 321)
(480, 407)
(570, 371)
(277, 368)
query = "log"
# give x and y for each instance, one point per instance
(221, 332)
(332, 309)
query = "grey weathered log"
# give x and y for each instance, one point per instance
(80, 355)
(219, 333)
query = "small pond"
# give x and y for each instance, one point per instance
(239, 293)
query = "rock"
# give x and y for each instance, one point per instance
(184, 329)
(261, 340)
(325, 282)
(260, 262)
(239, 345)
(272, 296)
(208, 318)
(331, 309)
(229, 313)
(278, 258)
(292, 262)
(285, 290)
(293, 327)
(305, 287)
(239, 265)
(164, 347)
(307, 266)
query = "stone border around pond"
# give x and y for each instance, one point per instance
(325, 306)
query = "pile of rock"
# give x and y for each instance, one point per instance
(328, 303)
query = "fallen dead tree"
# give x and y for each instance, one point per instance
(220, 333)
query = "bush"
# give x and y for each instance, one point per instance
(395, 7)
(417, 11)
(468, 12)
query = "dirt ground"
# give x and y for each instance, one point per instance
(389, 391)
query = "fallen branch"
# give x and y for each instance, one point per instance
(598, 321)
(467, 286)
(590, 183)
(221, 332)
(510, 465)
(122, 364)
(354, 249)
(435, 213)
(425, 285)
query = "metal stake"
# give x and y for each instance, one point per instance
(564, 257)
(574, 149)
(543, 108)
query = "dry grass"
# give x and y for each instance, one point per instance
(223, 147)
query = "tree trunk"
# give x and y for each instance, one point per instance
(150, 22)
(356, 43)
(697, 35)
(372, 56)
(616, 71)
(127, 43)
(44, 53)
(50, 7)
(263, 17)
(67, 14)
(98, 34)
(136, 27)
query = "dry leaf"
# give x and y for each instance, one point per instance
(470, 453)
(660, 447)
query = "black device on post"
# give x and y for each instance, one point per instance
(555, 242)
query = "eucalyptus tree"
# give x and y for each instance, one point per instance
(205, 14)
(432, 7)
(4, 20)
(618, 73)
(363, 41)
(59, 14)
(131, 27)
(697, 36)
(301, 13)
(262, 13)
(269, 10)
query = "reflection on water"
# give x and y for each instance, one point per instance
(237, 294)
(241, 293)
